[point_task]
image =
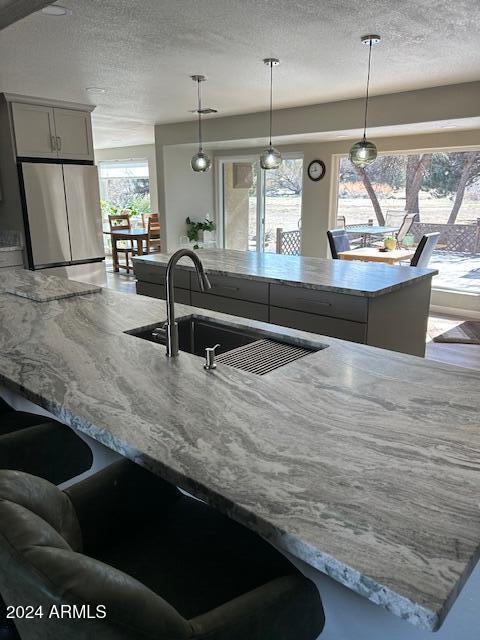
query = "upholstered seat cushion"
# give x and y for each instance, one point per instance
(47, 449)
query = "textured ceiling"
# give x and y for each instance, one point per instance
(142, 52)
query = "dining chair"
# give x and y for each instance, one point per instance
(146, 216)
(121, 222)
(394, 218)
(153, 239)
(341, 222)
(338, 241)
(424, 250)
(163, 565)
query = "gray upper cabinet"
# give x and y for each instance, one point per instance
(49, 132)
(34, 131)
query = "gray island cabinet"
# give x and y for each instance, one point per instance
(369, 303)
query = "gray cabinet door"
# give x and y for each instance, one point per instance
(238, 288)
(229, 305)
(334, 327)
(47, 213)
(34, 128)
(324, 303)
(73, 132)
(182, 296)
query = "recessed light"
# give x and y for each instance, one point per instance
(448, 126)
(96, 90)
(56, 10)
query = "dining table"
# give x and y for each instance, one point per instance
(375, 254)
(368, 230)
(135, 235)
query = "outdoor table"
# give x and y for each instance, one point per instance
(367, 230)
(136, 235)
(373, 254)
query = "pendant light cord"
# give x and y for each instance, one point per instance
(368, 89)
(199, 96)
(271, 100)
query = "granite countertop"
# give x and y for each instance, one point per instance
(361, 462)
(41, 287)
(341, 276)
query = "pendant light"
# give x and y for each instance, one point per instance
(200, 162)
(365, 152)
(271, 157)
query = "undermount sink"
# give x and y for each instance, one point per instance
(248, 349)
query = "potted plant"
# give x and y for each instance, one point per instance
(196, 230)
(390, 242)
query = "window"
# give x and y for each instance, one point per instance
(442, 188)
(124, 184)
(262, 209)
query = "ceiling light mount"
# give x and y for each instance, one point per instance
(271, 62)
(56, 10)
(96, 90)
(370, 39)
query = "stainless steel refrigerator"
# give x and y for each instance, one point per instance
(61, 205)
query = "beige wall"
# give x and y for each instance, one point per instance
(142, 152)
(186, 194)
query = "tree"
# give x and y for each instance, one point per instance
(416, 167)
(450, 174)
(363, 175)
(288, 177)
(468, 163)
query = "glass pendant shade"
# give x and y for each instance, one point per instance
(201, 162)
(270, 158)
(363, 153)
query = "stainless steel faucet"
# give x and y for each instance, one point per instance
(171, 327)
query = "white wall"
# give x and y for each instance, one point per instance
(143, 152)
(186, 193)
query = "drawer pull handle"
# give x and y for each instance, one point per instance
(317, 303)
(225, 287)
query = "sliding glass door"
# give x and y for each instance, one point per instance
(260, 207)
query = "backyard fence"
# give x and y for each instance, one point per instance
(288, 242)
(453, 237)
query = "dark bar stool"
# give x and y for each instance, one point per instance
(166, 566)
(40, 446)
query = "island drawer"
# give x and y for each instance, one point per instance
(324, 303)
(11, 258)
(157, 275)
(160, 291)
(238, 288)
(334, 327)
(240, 308)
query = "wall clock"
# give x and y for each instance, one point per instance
(316, 170)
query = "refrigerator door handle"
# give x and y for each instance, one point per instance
(53, 143)
(59, 143)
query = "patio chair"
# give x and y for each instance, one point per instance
(341, 222)
(338, 241)
(424, 250)
(405, 227)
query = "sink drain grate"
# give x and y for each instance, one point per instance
(262, 356)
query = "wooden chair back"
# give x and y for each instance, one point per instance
(120, 222)
(153, 232)
(146, 217)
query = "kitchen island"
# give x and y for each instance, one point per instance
(373, 304)
(362, 464)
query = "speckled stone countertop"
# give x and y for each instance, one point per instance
(341, 276)
(363, 463)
